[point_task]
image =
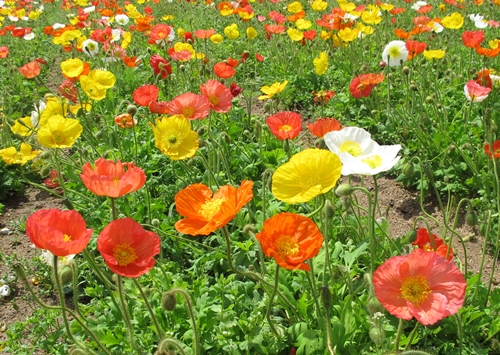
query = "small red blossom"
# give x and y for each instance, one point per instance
(285, 125)
(30, 70)
(473, 39)
(437, 245)
(496, 149)
(146, 94)
(324, 125)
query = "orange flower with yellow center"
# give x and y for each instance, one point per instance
(290, 239)
(204, 212)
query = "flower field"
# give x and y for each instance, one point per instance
(211, 156)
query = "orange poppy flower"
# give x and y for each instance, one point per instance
(324, 125)
(145, 94)
(127, 248)
(224, 71)
(191, 105)
(423, 241)
(290, 239)
(204, 34)
(60, 232)
(158, 107)
(232, 62)
(218, 94)
(285, 125)
(204, 212)
(112, 179)
(362, 85)
(415, 48)
(30, 70)
(401, 34)
(473, 39)
(131, 62)
(496, 149)
(125, 120)
(490, 53)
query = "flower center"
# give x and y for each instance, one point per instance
(351, 147)
(373, 161)
(287, 246)
(58, 137)
(394, 52)
(211, 207)
(285, 128)
(415, 289)
(187, 111)
(67, 238)
(124, 254)
(214, 100)
(172, 139)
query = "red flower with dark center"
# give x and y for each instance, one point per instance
(127, 248)
(111, 179)
(218, 94)
(235, 89)
(190, 105)
(145, 94)
(496, 149)
(285, 125)
(60, 232)
(160, 66)
(30, 70)
(324, 125)
(423, 241)
(473, 39)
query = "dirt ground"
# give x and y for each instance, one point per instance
(400, 206)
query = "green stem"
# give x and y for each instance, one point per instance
(398, 334)
(270, 305)
(126, 313)
(163, 346)
(412, 335)
(190, 310)
(150, 309)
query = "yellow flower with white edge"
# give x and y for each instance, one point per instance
(22, 126)
(319, 5)
(294, 7)
(231, 31)
(174, 137)
(251, 32)
(59, 132)
(295, 34)
(306, 175)
(434, 54)
(303, 24)
(321, 63)
(348, 34)
(26, 153)
(272, 90)
(216, 38)
(454, 21)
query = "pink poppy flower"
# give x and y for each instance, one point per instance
(423, 285)
(191, 105)
(475, 92)
(218, 94)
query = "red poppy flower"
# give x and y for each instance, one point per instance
(235, 89)
(232, 62)
(125, 120)
(218, 94)
(484, 78)
(53, 180)
(475, 92)
(191, 105)
(324, 125)
(362, 85)
(277, 17)
(204, 212)
(285, 125)
(424, 9)
(488, 52)
(473, 39)
(160, 33)
(182, 55)
(401, 34)
(127, 248)
(145, 94)
(323, 96)
(4, 51)
(290, 239)
(102, 36)
(30, 70)
(422, 285)
(131, 62)
(60, 232)
(259, 57)
(188, 37)
(496, 149)
(203, 34)
(224, 71)
(68, 90)
(112, 179)
(160, 66)
(159, 108)
(415, 48)
(423, 241)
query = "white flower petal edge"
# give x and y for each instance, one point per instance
(384, 156)
(335, 139)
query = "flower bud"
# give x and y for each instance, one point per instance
(131, 109)
(267, 107)
(65, 275)
(326, 296)
(377, 335)
(482, 229)
(346, 203)
(328, 210)
(155, 222)
(344, 190)
(168, 301)
(413, 87)
(410, 237)
(99, 135)
(408, 169)
(249, 228)
(46, 155)
(429, 100)
(493, 127)
(201, 131)
(406, 70)
(182, 68)
(201, 142)
(471, 218)
(45, 171)
(373, 306)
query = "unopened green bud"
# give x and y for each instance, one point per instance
(257, 128)
(182, 68)
(155, 222)
(45, 171)
(328, 210)
(201, 131)
(201, 142)
(408, 169)
(493, 127)
(249, 228)
(471, 218)
(168, 301)
(99, 135)
(46, 155)
(344, 190)
(346, 203)
(65, 275)
(373, 306)
(410, 237)
(413, 87)
(267, 107)
(406, 70)
(131, 109)
(326, 296)
(225, 137)
(377, 335)
(429, 100)
(482, 229)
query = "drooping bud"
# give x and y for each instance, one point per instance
(155, 222)
(168, 301)
(131, 109)
(326, 296)
(344, 190)
(46, 155)
(328, 210)
(408, 169)
(99, 135)
(249, 228)
(471, 218)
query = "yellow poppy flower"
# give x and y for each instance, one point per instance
(251, 32)
(67, 37)
(231, 31)
(321, 63)
(59, 132)
(22, 126)
(54, 106)
(127, 38)
(372, 15)
(96, 83)
(12, 156)
(216, 38)
(295, 34)
(348, 34)
(346, 5)
(308, 174)
(295, 7)
(453, 21)
(272, 90)
(303, 24)
(319, 5)
(434, 54)
(174, 137)
(72, 68)
(324, 35)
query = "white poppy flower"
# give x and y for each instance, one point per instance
(48, 258)
(382, 158)
(121, 19)
(395, 53)
(90, 47)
